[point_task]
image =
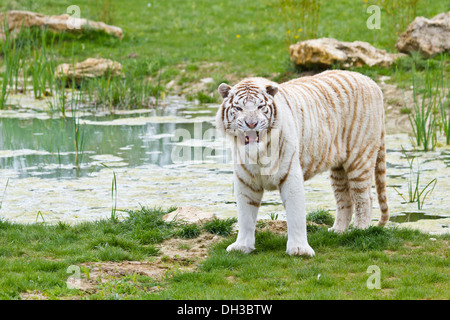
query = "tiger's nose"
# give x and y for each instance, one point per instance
(251, 125)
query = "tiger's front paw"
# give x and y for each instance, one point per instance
(300, 250)
(336, 229)
(240, 247)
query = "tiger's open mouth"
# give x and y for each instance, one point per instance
(251, 136)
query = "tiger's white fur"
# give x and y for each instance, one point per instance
(331, 121)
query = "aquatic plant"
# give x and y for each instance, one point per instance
(29, 58)
(78, 133)
(8, 59)
(39, 214)
(273, 216)
(415, 193)
(114, 197)
(4, 193)
(27, 54)
(423, 119)
(4, 90)
(41, 67)
(443, 102)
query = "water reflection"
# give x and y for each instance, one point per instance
(34, 147)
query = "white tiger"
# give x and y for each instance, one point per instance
(286, 133)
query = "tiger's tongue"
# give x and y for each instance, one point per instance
(251, 136)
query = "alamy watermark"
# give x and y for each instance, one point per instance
(74, 21)
(74, 280)
(200, 146)
(374, 280)
(374, 21)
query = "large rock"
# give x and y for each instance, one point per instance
(88, 69)
(429, 36)
(325, 52)
(27, 19)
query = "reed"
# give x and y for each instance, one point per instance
(443, 102)
(75, 103)
(4, 193)
(423, 119)
(301, 19)
(134, 90)
(4, 92)
(26, 55)
(29, 58)
(78, 142)
(42, 68)
(399, 14)
(8, 59)
(415, 192)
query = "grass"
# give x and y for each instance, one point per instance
(423, 120)
(172, 39)
(39, 258)
(219, 226)
(35, 257)
(243, 38)
(320, 216)
(412, 267)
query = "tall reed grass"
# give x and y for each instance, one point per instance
(27, 56)
(30, 60)
(399, 14)
(444, 102)
(78, 133)
(415, 192)
(430, 114)
(301, 19)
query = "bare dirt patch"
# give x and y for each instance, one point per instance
(397, 102)
(176, 254)
(280, 226)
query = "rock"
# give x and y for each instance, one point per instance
(325, 52)
(88, 69)
(428, 36)
(188, 214)
(27, 19)
(207, 80)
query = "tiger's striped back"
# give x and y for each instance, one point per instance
(340, 118)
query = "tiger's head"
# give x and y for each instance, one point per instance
(248, 109)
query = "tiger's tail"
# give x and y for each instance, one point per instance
(380, 182)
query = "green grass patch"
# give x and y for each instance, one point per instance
(411, 267)
(320, 216)
(242, 37)
(35, 258)
(221, 227)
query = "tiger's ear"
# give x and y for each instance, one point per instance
(272, 90)
(224, 89)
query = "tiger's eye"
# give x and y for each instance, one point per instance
(260, 107)
(238, 108)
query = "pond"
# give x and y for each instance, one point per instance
(167, 156)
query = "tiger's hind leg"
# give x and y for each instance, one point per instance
(360, 182)
(344, 202)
